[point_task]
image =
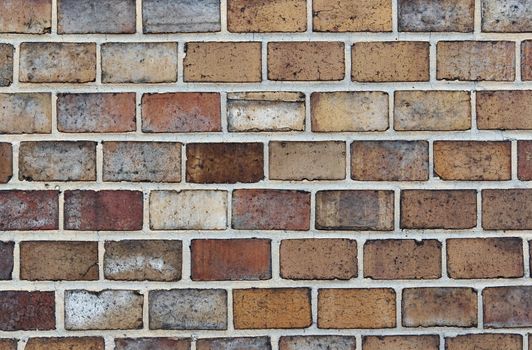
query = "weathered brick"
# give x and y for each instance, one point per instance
(266, 111)
(57, 62)
(26, 113)
(29, 210)
(484, 341)
(180, 16)
(225, 162)
(8, 344)
(108, 309)
(438, 209)
(142, 161)
(390, 61)
(507, 209)
(266, 16)
(67, 343)
(152, 344)
(103, 210)
(439, 307)
(231, 259)
(476, 60)
(318, 259)
(6, 162)
(271, 210)
(6, 64)
(349, 111)
(524, 160)
(26, 311)
(390, 160)
(356, 308)
(402, 259)
(507, 307)
(26, 16)
(143, 260)
(504, 110)
(188, 210)
(96, 16)
(223, 62)
(139, 62)
(188, 309)
(401, 342)
(271, 308)
(355, 210)
(436, 15)
(6, 260)
(317, 342)
(305, 61)
(526, 60)
(57, 161)
(257, 343)
(181, 112)
(54, 261)
(506, 16)
(349, 16)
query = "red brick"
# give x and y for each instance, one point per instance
(6, 260)
(26, 16)
(70, 343)
(507, 307)
(152, 344)
(484, 342)
(29, 210)
(6, 162)
(401, 342)
(26, 311)
(504, 110)
(524, 160)
(509, 209)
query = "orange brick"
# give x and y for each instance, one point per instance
(70, 343)
(484, 341)
(401, 342)
(266, 16)
(502, 110)
(352, 16)
(507, 209)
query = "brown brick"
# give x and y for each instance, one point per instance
(401, 342)
(390, 160)
(438, 209)
(181, 112)
(6, 261)
(57, 62)
(507, 307)
(355, 210)
(506, 16)
(70, 343)
(26, 311)
(436, 15)
(256, 343)
(26, 16)
(6, 162)
(266, 16)
(356, 308)
(272, 308)
(524, 160)
(402, 259)
(507, 209)
(526, 60)
(225, 162)
(317, 342)
(103, 210)
(504, 110)
(152, 344)
(484, 341)
(6, 64)
(390, 61)
(29, 210)
(439, 307)
(476, 60)
(26, 113)
(224, 62)
(271, 210)
(318, 259)
(352, 16)
(8, 344)
(54, 261)
(306, 61)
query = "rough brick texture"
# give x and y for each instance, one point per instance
(29, 210)
(26, 113)
(6, 162)
(503, 110)
(350, 16)
(507, 209)
(486, 341)
(6, 260)
(26, 16)
(257, 343)
(66, 343)
(436, 15)
(159, 16)
(317, 342)
(267, 16)
(406, 342)
(524, 160)
(25, 311)
(507, 307)
(6, 64)
(152, 343)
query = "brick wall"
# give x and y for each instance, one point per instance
(266, 174)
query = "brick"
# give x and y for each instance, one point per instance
(26, 16)
(96, 16)
(507, 307)
(159, 16)
(484, 341)
(57, 161)
(355, 210)
(351, 16)
(105, 310)
(439, 307)
(188, 210)
(271, 210)
(473, 160)
(438, 209)
(402, 259)
(257, 343)
(152, 343)
(317, 342)
(356, 308)
(526, 60)
(6, 64)
(26, 113)
(181, 112)
(507, 209)
(142, 161)
(266, 111)
(390, 160)
(524, 160)
(225, 162)
(432, 111)
(436, 15)
(306, 61)
(390, 61)
(103, 210)
(506, 16)
(27, 311)
(307, 160)
(223, 62)
(271, 308)
(96, 112)
(139, 63)
(318, 259)
(6, 162)
(54, 261)
(266, 16)
(504, 110)
(29, 210)
(143, 260)
(475, 60)
(401, 342)
(231, 259)
(346, 111)
(57, 62)
(8, 344)
(188, 309)
(67, 343)
(6, 260)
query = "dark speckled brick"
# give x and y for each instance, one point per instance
(29, 210)
(6, 261)
(436, 15)
(258, 343)
(27, 311)
(152, 344)
(6, 64)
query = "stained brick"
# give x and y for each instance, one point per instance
(526, 60)
(507, 307)
(6, 64)
(401, 342)
(317, 342)
(29, 210)
(504, 110)
(507, 209)
(160, 16)
(506, 16)
(6, 260)
(436, 15)
(152, 344)
(352, 16)
(26, 311)
(6, 162)
(267, 16)
(25, 113)
(524, 160)
(484, 341)
(67, 343)
(257, 343)
(26, 16)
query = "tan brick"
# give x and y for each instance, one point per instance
(526, 60)
(6, 162)
(8, 344)
(26, 16)
(401, 342)
(6, 64)
(317, 342)
(507, 307)
(152, 344)
(352, 16)
(484, 341)
(266, 16)
(524, 160)
(26, 113)
(70, 343)
(248, 343)
(504, 110)
(506, 16)
(509, 209)
(159, 16)
(436, 15)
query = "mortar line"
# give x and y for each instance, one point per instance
(54, 18)
(138, 17)
(526, 258)
(186, 264)
(15, 276)
(138, 112)
(223, 17)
